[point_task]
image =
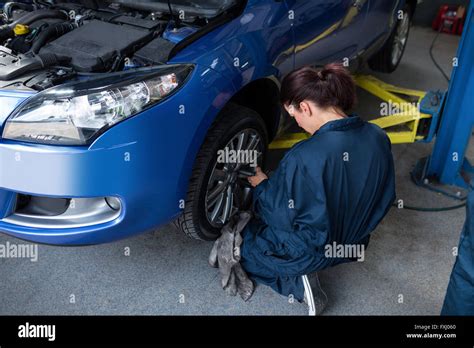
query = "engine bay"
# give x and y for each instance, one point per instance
(43, 44)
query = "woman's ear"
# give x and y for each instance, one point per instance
(306, 108)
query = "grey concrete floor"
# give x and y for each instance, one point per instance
(167, 274)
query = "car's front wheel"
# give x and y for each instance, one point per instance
(218, 188)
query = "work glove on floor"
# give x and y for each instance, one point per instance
(225, 255)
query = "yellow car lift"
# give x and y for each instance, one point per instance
(401, 127)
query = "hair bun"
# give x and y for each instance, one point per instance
(327, 70)
(328, 86)
(334, 68)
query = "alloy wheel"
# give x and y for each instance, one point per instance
(228, 190)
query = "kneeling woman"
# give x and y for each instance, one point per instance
(332, 189)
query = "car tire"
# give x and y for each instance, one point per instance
(233, 121)
(391, 54)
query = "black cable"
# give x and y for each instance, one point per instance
(432, 55)
(176, 19)
(431, 210)
(171, 9)
(51, 32)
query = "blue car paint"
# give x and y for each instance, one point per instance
(147, 160)
(317, 23)
(178, 35)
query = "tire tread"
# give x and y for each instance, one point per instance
(231, 114)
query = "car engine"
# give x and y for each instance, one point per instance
(45, 43)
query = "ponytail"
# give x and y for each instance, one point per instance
(330, 86)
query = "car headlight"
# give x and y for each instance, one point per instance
(75, 114)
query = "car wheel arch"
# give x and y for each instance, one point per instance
(262, 96)
(265, 102)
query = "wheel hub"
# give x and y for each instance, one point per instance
(228, 190)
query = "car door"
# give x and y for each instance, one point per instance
(381, 19)
(326, 30)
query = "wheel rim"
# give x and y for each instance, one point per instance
(228, 190)
(401, 38)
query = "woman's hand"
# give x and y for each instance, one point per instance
(258, 178)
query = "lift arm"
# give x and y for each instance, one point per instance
(412, 122)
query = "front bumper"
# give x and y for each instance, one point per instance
(84, 175)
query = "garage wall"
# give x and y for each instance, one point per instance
(427, 10)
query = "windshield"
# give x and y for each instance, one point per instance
(206, 8)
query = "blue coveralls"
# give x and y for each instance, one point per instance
(334, 187)
(460, 295)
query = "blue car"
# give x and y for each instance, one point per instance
(117, 117)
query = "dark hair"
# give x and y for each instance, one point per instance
(330, 86)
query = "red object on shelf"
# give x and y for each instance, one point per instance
(450, 19)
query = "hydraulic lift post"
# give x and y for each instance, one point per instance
(447, 164)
